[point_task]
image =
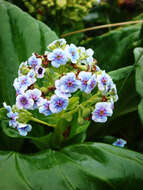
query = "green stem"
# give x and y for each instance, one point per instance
(42, 122)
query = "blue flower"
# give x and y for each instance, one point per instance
(8, 108)
(97, 69)
(91, 84)
(86, 56)
(72, 53)
(84, 78)
(57, 58)
(103, 80)
(44, 108)
(61, 93)
(120, 143)
(89, 53)
(12, 115)
(24, 102)
(110, 90)
(22, 83)
(34, 62)
(101, 112)
(68, 83)
(35, 95)
(31, 74)
(23, 129)
(57, 104)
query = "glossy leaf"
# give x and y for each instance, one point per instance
(138, 52)
(20, 36)
(87, 166)
(128, 97)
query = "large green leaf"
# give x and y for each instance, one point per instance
(20, 36)
(138, 52)
(92, 166)
(128, 97)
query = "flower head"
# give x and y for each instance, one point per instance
(57, 58)
(91, 84)
(68, 83)
(24, 102)
(44, 108)
(89, 56)
(13, 116)
(33, 61)
(85, 56)
(72, 53)
(103, 80)
(101, 112)
(84, 78)
(22, 83)
(23, 129)
(57, 104)
(35, 95)
(120, 143)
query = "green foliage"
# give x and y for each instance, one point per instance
(114, 49)
(86, 166)
(61, 15)
(138, 52)
(71, 10)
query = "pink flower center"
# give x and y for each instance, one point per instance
(104, 80)
(69, 83)
(59, 103)
(85, 82)
(73, 53)
(58, 57)
(24, 101)
(101, 112)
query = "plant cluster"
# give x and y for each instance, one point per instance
(73, 10)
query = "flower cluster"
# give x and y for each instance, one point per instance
(63, 53)
(13, 116)
(86, 78)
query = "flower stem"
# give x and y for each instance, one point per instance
(42, 122)
(102, 26)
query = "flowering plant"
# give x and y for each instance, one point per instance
(52, 155)
(63, 85)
